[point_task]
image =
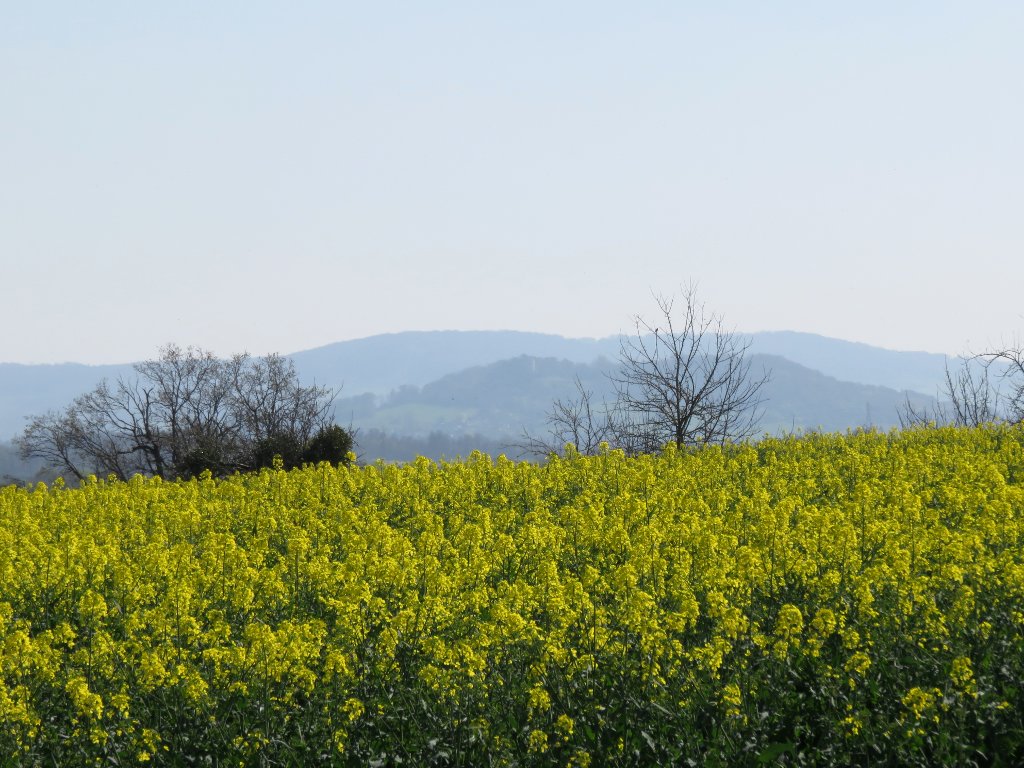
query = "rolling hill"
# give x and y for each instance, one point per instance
(503, 398)
(438, 387)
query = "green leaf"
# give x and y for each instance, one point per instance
(772, 753)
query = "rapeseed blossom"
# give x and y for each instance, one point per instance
(843, 594)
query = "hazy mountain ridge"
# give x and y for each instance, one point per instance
(494, 383)
(855, 361)
(501, 399)
(381, 364)
(26, 390)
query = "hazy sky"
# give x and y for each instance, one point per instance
(277, 176)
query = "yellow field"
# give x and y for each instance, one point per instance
(816, 600)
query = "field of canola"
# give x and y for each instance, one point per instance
(829, 599)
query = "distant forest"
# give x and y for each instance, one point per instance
(443, 395)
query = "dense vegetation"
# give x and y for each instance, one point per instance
(186, 412)
(819, 600)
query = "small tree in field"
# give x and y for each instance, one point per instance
(186, 412)
(581, 422)
(966, 399)
(681, 378)
(985, 388)
(1008, 363)
(684, 379)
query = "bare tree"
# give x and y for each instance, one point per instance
(1008, 364)
(185, 412)
(580, 422)
(54, 438)
(986, 387)
(966, 398)
(185, 395)
(275, 413)
(684, 379)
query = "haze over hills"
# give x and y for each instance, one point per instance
(30, 389)
(495, 383)
(503, 398)
(854, 361)
(380, 364)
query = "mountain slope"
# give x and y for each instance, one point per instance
(26, 390)
(380, 364)
(384, 364)
(503, 398)
(853, 361)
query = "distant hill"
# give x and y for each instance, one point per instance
(456, 382)
(380, 364)
(30, 389)
(799, 399)
(852, 361)
(502, 398)
(497, 399)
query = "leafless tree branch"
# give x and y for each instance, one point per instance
(682, 379)
(685, 379)
(580, 422)
(971, 395)
(184, 412)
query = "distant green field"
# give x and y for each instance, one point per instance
(419, 418)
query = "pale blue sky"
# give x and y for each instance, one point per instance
(276, 176)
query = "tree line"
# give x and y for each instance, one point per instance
(187, 412)
(682, 378)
